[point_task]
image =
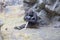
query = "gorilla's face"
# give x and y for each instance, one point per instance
(31, 17)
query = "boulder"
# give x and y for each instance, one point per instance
(30, 1)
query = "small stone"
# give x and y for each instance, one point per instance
(57, 26)
(1, 23)
(5, 28)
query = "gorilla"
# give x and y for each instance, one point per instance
(30, 17)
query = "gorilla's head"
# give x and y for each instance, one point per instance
(31, 17)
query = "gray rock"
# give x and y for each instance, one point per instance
(57, 9)
(30, 1)
(55, 6)
(43, 17)
(28, 4)
(56, 18)
(50, 2)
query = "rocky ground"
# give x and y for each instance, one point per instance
(14, 17)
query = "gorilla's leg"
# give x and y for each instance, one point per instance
(20, 27)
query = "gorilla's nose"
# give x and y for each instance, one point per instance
(27, 18)
(30, 19)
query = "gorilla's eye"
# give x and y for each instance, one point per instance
(31, 15)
